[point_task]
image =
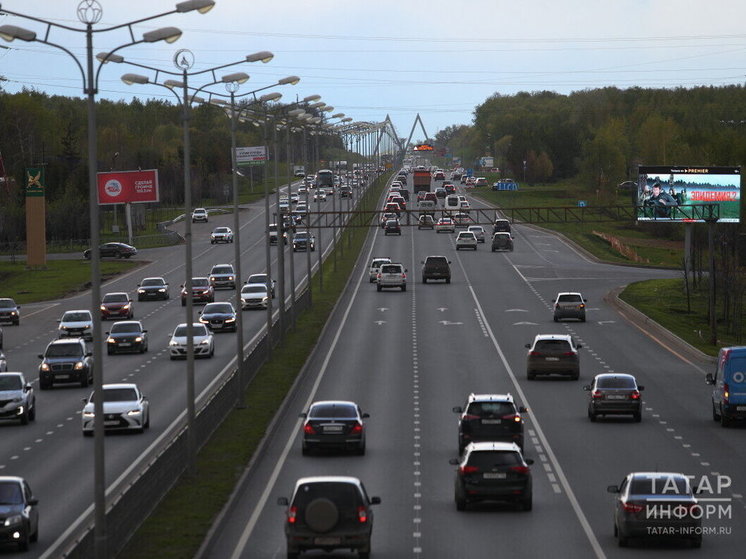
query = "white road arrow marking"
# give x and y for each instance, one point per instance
(441, 309)
(379, 322)
(449, 323)
(525, 324)
(516, 310)
(382, 309)
(607, 321)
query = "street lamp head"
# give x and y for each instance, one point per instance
(338, 115)
(348, 119)
(11, 32)
(238, 77)
(327, 109)
(220, 102)
(168, 34)
(296, 112)
(290, 80)
(270, 97)
(173, 84)
(202, 6)
(130, 79)
(104, 57)
(311, 98)
(263, 56)
(195, 99)
(316, 105)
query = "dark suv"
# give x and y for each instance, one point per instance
(489, 417)
(65, 360)
(327, 513)
(436, 267)
(9, 311)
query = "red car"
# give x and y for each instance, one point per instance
(202, 292)
(117, 305)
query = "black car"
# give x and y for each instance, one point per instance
(327, 513)
(218, 317)
(19, 515)
(489, 417)
(492, 471)
(334, 424)
(114, 250)
(65, 360)
(392, 227)
(436, 267)
(9, 311)
(127, 336)
(614, 393)
(501, 226)
(152, 288)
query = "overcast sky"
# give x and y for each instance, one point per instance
(375, 58)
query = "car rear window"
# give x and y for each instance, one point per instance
(552, 345)
(570, 298)
(663, 485)
(391, 269)
(436, 260)
(483, 409)
(333, 410)
(344, 495)
(615, 382)
(486, 460)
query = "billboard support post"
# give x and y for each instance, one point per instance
(128, 216)
(711, 282)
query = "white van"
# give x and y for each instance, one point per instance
(453, 202)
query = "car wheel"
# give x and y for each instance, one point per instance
(87, 433)
(637, 417)
(582, 319)
(25, 418)
(724, 419)
(378, 288)
(623, 541)
(183, 303)
(35, 535)
(530, 376)
(360, 451)
(576, 376)
(293, 555)
(424, 280)
(84, 380)
(448, 280)
(591, 416)
(556, 319)
(363, 554)
(403, 287)
(715, 415)
(23, 543)
(44, 384)
(109, 351)
(527, 503)
(32, 413)
(460, 499)
(139, 299)
(147, 421)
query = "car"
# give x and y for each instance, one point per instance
(445, 225)
(319, 195)
(439, 176)
(392, 227)
(255, 296)
(478, 231)
(202, 291)
(301, 209)
(553, 354)
(221, 235)
(393, 207)
(19, 513)
(470, 181)
(462, 219)
(375, 267)
(223, 275)
(333, 424)
(426, 221)
(302, 189)
(436, 268)
(203, 341)
(9, 311)
(450, 188)
(219, 317)
(728, 397)
(464, 206)
(126, 336)
(264, 279)
(345, 192)
(386, 216)
(303, 240)
(199, 214)
(117, 305)
(426, 207)
(501, 226)
(656, 505)
(66, 360)
(481, 181)
(17, 398)
(152, 288)
(327, 513)
(126, 408)
(569, 305)
(489, 417)
(294, 198)
(113, 250)
(273, 234)
(616, 394)
(284, 206)
(493, 471)
(466, 239)
(502, 241)
(441, 192)
(76, 324)
(3, 362)
(391, 274)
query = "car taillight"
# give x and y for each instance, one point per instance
(632, 507)
(308, 429)
(362, 515)
(512, 416)
(635, 395)
(581, 306)
(378, 275)
(597, 394)
(292, 515)
(469, 417)
(535, 353)
(568, 354)
(468, 469)
(519, 469)
(357, 429)
(404, 276)
(726, 392)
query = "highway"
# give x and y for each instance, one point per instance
(51, 452)
(408, 357)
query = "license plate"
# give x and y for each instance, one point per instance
(327, 541)
(332, 428)
(616, 397)
(111, 423)
(62, 377)
(491, 421)
(498, 475)
(125, 344)
(740, 408)
(552, 358)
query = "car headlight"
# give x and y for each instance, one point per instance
(89, 414)
(45, 367)
(173, 343)
(127, 306)
(79, 365)
(13, 520)
(134, 412)
(265, 299)
(14, 313)
(212, 278)
(230, 278)
(138, 339)
(233, 319)
(103, 308)
(203, 320)
(63, 327)
(111, 340)
(162, 290)
(206, 341)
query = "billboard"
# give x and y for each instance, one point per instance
(122, 187)
(688, 194)
(255, 155)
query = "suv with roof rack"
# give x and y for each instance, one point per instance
(489, 417)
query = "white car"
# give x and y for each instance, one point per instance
(221, 235)
(375, 267)
(199, 214)
(301, 209)
(76, 324)
(255, 296)
(264, 280)
(478, 231)
(319, 196)
(125, 409)
(303, 189)
(273, 235)
(204, 343)
(466, 239)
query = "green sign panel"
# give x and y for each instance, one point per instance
(35, 185)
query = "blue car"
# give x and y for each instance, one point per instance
(729, 382)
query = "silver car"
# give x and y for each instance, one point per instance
(203, 341)
(17, 398)
(255, 296)
(76, 324)
(125, 409)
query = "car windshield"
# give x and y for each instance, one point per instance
(116, 298)
(117, 395)
(570, 298)
(222, 270)
(6, 304)
(217, 308)
(125, 328)
(197, 329)
(552, 345)
(332, 410)
(345, 495)
(301, 235)
(616, 382)
(221, 230)
(659, 485)
(200, 282)
(254, 288)
(258, 278)
(10, 382)
(485, 460)
(482, 409)
(64, 350)
(10, 493)
(76, 316)
(152, 282)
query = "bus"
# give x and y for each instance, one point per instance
(324, 178)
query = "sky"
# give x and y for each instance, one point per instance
(369, 59)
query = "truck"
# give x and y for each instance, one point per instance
(421, 180)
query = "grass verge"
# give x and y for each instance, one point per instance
(180, 522)
(59, 278)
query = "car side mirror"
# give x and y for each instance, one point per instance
(375, 500)
(283, 501)
(458, 409)
(527, 346)
(89, 354)
(40, 356)
(33, 501)
(449, 261)
(612, 489)
(585, 300)
(366, 415)
(59, 320)
(27, 387)
(587, 388)
(454, 461)
(303, 415)
(522, 409)
(578, 346)
(406, 270)
(84, 400)
(528, 461)
(709, 379)
(640, 387)
(107, 333)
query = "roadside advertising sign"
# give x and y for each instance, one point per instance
(255, 155)
(122, 187)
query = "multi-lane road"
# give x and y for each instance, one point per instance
(408, 357)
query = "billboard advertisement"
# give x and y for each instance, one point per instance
(688, 194)
(123, 187)
(255, 155)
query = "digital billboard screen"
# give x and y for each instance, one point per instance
(689, 194)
